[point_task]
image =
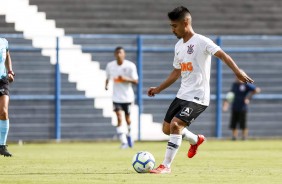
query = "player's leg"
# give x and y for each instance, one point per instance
(171, 112)
(173, 127)
(234, 134)
(120, 131)
(243, 124)
(4, 125)
(173, 109)
(189, 136)
(166, 128)
(126, 108)
(175, 139)
(189, 112)
(233, 125)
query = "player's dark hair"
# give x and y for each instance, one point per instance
(118, 48)
(178, 13)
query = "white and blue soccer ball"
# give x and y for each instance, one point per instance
(143, 162)
(230, 97)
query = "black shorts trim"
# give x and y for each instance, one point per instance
(238, 118)
(4, 87)
(185, 110)
(122, 106)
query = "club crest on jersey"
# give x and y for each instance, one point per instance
(242, 88)
(186, 111)
(190, 49)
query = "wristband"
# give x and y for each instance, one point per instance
(11, 72)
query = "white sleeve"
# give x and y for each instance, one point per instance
(210, 47)
(134, 74)
(108, 75)
(176, 63)
(7, 44)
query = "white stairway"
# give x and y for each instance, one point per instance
(81, 69)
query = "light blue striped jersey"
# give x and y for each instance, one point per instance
(3, 53)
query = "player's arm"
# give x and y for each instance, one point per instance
(106, 84)
(229, 98)
(173, 76)
(107, 77)
(225, 105)
(128, 79)
(242, 76)
(251, 94)
(8, 65)
(132, 77)
(257, 90)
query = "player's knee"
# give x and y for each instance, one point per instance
(174, 127)
(118, 115)
(127, 118)
(166, 130)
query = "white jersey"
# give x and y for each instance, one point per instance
(122, 91)
(3, 53)
(194, 60)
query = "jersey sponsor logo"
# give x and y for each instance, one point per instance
(196, 98)
(118, 79)
(186, 111)
(186, 67)
(190, 49)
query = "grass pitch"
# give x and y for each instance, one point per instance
(103, 162)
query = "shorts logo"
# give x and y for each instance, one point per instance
(190, 49)
(186, 111)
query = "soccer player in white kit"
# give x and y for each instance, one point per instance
(124, 74)
(192, 61)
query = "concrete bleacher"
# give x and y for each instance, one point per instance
(149, 17)
(34, 119)
(157, 65)
(35, 76)
(6, 27)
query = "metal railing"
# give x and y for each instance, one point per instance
(139, 49)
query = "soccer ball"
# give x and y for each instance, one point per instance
(143, 162)
(230, 97)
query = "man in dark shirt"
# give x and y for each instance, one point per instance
(240, 96)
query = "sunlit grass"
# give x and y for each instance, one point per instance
(103, 162)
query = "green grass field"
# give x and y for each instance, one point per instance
(103, 162)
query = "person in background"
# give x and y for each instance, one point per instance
(6, 76)
(239, 96)
(124, 74)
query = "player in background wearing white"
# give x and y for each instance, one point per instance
(192, 61)
(124, 74)
(6, 77)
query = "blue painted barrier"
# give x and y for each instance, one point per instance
(140, 49)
